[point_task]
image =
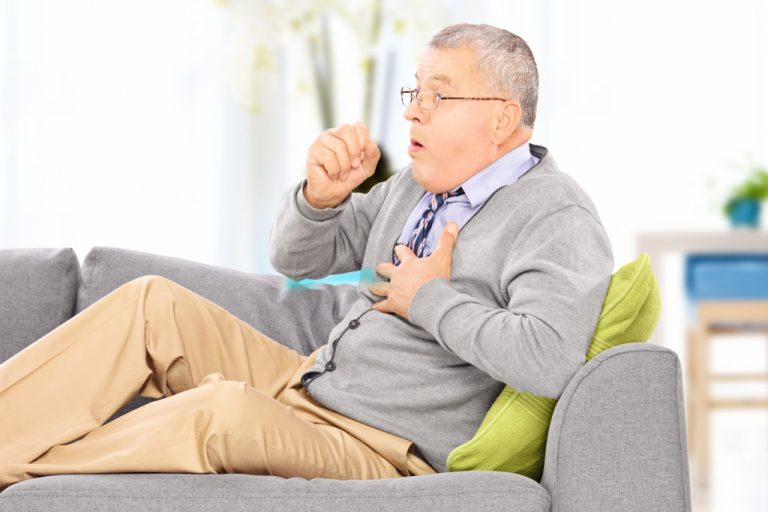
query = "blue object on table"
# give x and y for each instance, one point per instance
(726, 276)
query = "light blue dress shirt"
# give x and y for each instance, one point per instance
(477, 189)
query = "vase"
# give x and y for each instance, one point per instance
(745, 213)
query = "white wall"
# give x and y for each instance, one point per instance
(118, 126)
(645, 103)
(655, 108)
(111, 125)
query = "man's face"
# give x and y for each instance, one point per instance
(453, 142)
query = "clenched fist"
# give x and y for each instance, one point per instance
(338, 161)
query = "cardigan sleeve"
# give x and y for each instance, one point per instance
(555, 279)
(312, 243)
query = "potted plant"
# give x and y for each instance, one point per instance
(743, 205)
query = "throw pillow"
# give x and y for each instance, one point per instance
(513, 435)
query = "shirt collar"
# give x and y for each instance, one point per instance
(503, 171)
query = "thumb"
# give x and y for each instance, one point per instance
(448, 237)
(372, 155)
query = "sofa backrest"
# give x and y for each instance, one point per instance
(42, 288)
(38, 289)
(300, 318)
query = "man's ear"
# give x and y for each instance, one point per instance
(506, 122)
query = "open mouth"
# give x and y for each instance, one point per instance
(415, 144)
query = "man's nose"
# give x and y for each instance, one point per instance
(412, 112)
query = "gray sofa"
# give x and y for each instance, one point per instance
(616, 442)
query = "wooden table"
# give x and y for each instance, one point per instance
(659, 243)
(695, 358)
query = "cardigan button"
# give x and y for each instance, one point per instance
(330, 366)
(354, 324)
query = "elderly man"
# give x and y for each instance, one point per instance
(491, 265)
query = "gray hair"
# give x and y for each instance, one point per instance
(504, 60)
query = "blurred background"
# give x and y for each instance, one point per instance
(177, 127)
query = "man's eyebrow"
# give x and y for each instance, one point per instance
(441, 78)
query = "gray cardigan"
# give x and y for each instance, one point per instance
(530, 272)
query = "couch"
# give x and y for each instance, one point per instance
(616, 442)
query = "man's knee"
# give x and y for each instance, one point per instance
(227, 401)
(150, 281)
(152, 286)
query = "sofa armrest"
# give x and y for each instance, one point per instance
(298, 317)
(617, 440)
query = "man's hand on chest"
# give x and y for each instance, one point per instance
(413, 272)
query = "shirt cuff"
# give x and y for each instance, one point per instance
(318, 214)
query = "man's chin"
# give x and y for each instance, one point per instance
(418, 174)
(427, 185)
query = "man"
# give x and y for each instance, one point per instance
(493, 267)
(513, 299)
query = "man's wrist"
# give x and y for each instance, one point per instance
(314, 203)
(314, 213)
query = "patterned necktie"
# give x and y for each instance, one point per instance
(418, 239)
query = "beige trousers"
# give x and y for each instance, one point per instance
(233, 398)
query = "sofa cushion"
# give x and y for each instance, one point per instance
(513, 435)
(476, 491)
(37, 293)
(631, 307)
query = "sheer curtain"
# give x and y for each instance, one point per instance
(120, 125)
(112, 127)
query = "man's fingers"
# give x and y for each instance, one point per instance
(452, 229)
(385, 269)
(325, 158)
(381, 289)
(447, 239)
(341, 149)
(348, 135)
(361, 132)
(372, 155)
(372, 149)
(333, 143)
(403, 252)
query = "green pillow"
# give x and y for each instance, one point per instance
(513, 434)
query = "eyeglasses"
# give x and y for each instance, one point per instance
(429, 100)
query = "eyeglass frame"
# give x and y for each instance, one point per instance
(438, 97)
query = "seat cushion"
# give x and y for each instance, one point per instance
(476, 491)
(513, 434)
(38, 288)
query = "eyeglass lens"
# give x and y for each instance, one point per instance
(426, 99)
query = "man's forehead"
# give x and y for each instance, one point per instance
(437, 78)
(447, 65)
